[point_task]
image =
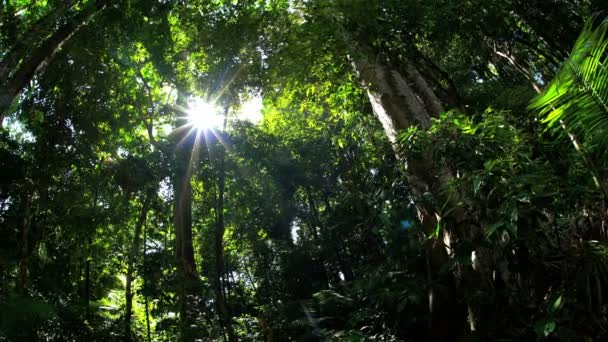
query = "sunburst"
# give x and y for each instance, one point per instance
(205, 116)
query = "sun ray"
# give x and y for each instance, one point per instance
(185, 136)
(227, 84)
(195, 124)
(194, 156)
(179, 129)
(206, 139)
(222, 140)
(204, 115)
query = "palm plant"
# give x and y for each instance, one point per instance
(576, 101)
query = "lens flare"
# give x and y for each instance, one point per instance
(203, 115)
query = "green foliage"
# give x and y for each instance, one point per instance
(507, 183)
(22, 315)
(578, 95)
(325, 235)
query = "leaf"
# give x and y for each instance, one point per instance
(545, 327)
(556, 305)
(492, 228)
(476, 185)
(437, 230)
(577, 98)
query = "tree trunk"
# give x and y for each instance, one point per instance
(131, 266)
(149, 338)
(87, 288)
(219, 281)
(25, 242)
(182, 216)
(439, 77)
(37, 32)
(400, 101)
(19, 67)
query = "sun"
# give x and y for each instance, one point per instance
(203, 115)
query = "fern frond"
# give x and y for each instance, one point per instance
(578, 95)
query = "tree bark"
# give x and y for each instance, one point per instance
(183, 210)
(131, 266)
(219, 281)
(400, 101)
(148, 334)
(182, 217)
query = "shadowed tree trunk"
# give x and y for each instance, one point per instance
(87, 289)
(25, 243)
(131, 265)
(182, 218)
(219, 281)
(37, 31)
(145, 252)
(400, 100)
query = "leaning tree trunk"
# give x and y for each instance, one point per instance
(18, 68)
(400, 99)
(131, 266)
(37, 32)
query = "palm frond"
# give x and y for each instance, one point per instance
(578, 95)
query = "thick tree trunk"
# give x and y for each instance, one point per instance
(400, 101)
(131, 266)
(219, 281)
(19, 67)
(183, 209)
(183, 221)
